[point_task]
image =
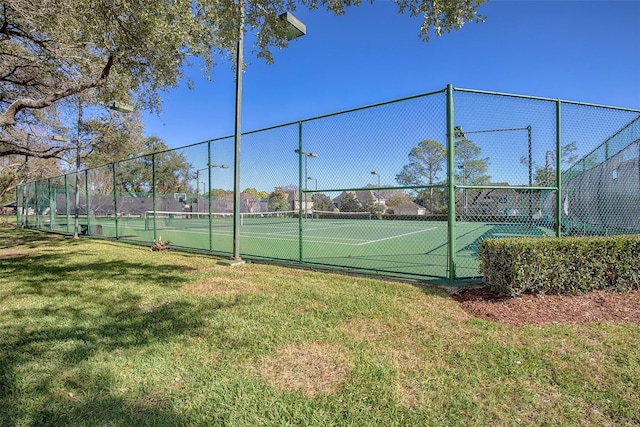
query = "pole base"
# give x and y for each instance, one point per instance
(231, 262)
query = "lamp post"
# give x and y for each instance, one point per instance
(546, 167)
(77, 195)
(310, 178)
(306, 174)
(464, 184)
(295, 29)
(377, 192)
(210, 165)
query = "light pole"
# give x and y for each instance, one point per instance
(210, 165)
(198, 185)
(310, 178)
(377, 192)
(464, 184)
(306, 174)
(546, 167)
(295, 29)
(78, 144)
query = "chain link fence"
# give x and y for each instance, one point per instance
(406, 188)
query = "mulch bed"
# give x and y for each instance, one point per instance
(544, 309)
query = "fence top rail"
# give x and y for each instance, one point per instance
(540, 98)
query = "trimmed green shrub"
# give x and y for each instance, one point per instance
(512, 266)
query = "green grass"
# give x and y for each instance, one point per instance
(102, 333)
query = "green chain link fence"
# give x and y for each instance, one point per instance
(406, 188)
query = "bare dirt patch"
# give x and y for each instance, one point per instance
(543, 309)
(312, 368)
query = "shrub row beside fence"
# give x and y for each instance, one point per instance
(559, 266)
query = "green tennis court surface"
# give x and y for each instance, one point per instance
(399, 247)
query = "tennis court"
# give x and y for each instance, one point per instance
(408, 248)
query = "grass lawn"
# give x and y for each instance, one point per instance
(103, 333)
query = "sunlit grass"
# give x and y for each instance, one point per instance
(102, 333)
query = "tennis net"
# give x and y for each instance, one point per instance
(341, 215)
(165, 220)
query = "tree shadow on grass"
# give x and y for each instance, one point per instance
(47, 375)
(58, 313)
(107, 410)
(11, 237)
(59, 273)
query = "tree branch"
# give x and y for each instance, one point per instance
(8, 117)
(8, 148)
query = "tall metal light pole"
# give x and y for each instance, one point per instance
(295, 29)
(306, 174)
(198, 185)
(210, 165)
(377, 192)
(77, 186)
(547, 181)
(310, 178)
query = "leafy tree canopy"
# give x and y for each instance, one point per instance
(426, 161)
(321, 202)
(350, 203)
(258, 195)
(172, 170)
(129, 51)
(471, 168)
(278, 200)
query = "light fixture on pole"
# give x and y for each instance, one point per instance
(295, 30)
(120, 106)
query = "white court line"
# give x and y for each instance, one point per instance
(394, 237)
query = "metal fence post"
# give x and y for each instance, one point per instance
(209, 199)
(37, 205)
(558, 168)
(300, 210)
(86, 202)
(52, 206)
(66, 201)
(153, 195)
(17, 207)
(115, 197)
(451, 202)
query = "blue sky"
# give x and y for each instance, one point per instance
(586, 51)
(575, 50)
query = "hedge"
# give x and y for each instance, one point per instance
(566, 265)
